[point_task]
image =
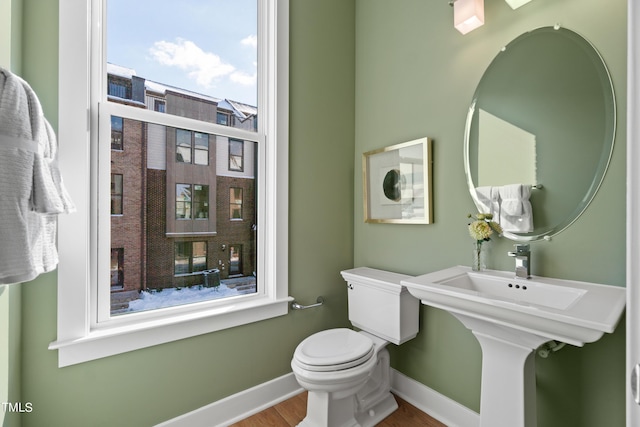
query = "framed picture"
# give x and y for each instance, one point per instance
(397, 183)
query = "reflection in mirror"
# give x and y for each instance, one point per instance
(540, 132)
(512, 147)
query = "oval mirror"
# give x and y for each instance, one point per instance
(540, 133)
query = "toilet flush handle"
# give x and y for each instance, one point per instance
(635, 383)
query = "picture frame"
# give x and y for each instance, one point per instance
(397, 183)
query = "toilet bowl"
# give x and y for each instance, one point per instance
(347, 373)
(347, 376)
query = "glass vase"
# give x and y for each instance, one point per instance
(479, 255)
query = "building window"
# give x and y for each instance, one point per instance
(192, 201)
(236, 155)
(190, 257)
(200, 148)
(116, 194)
(201, 201)
(87, 329)
(222, 118)
(183, 201)
(117, 134)
(119, 88)
(235, 260)
(192, 145)
(159, 105)
(117, 269)
(183, 146)
(235, 203)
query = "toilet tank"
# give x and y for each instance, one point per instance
(378, 304)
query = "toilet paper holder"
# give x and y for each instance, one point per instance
(296, 306)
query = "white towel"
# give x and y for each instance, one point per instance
(31, 189)
(515, 208)
(488, 200)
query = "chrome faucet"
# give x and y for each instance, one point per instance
(522, 254)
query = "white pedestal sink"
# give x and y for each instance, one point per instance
(511, 318)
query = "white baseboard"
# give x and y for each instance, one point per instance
(439, 406)
(241, 405)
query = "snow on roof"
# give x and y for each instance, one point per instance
(163, 88)
(240, 110)
(249, 110)
(120, 71)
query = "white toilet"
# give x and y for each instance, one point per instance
(347, 373)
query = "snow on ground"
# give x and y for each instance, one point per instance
(170, 297)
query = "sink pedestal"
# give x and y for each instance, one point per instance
(508, 391)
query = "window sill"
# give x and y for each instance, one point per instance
(195, 273)
(109, 341)
(192, 234)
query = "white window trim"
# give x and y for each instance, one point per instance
(81, 337)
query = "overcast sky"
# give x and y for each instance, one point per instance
(207, 46)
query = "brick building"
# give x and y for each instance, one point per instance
(181, 201)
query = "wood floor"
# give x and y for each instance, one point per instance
(290, 412)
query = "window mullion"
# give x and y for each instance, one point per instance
(100, 288)
(180, 122)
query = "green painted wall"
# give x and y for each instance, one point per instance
(148, 386)
(415, 77)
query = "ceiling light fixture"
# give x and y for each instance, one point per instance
(468, 14)
(516, 3)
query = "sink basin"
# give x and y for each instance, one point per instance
(511, 318)
(564, 310)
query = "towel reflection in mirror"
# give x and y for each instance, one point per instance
(509, 205)
(514, 150)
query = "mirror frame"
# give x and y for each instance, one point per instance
(547, 232)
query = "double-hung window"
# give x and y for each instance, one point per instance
(152, 116)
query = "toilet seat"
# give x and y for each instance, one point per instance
(334, 350)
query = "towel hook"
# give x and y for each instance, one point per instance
(296, 306)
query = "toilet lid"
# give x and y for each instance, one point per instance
(333, 350)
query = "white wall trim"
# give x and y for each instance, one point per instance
(439, 406)
(633, 204)
(241, 405)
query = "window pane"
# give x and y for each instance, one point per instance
(171, 206)
(201, 148)
(158, 105)
(182, 257)
(116, 194)
(197, 60)
(222, 119)
(201, 201)
(235, 203)
(119, 87)
(183, 146)
(199, 256)
(117, 268)
(183, 201)
(236, 155)
(235, 262)
(117, 133)
(199, 57)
